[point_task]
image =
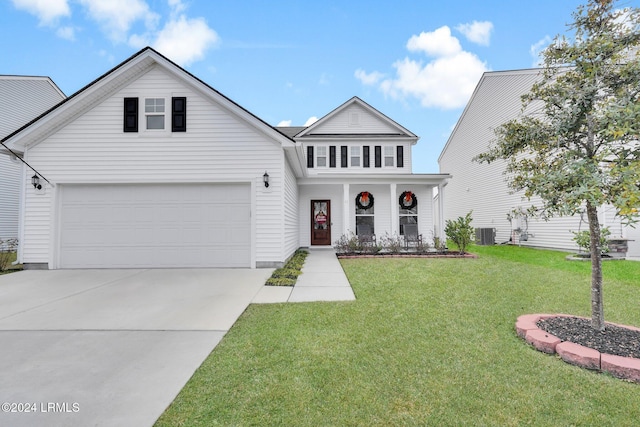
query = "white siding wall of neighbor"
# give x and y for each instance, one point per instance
(217, 147)
(22, 98)
(482, 188)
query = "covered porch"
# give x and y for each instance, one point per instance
(335, 206)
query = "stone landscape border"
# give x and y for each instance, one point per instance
(627, 368)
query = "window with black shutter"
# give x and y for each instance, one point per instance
(332, 156)
(400, 156)
(344, 156)
(130, 115)
(310, 156)
(365, 156)
(179, 114)
(378, 154)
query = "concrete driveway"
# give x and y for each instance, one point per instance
(110, 347)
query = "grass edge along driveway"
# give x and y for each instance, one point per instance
(427, 342)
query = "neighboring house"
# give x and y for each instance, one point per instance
(482, 187)
(22, 98)
(148, 166)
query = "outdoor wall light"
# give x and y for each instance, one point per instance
(35, 180)
(265, 179)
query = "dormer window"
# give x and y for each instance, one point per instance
(154, 113)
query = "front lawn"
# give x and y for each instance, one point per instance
(427, 342)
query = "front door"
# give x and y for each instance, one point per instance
(321, 222)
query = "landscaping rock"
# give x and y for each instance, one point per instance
(579, 355)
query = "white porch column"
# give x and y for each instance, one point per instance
(394, 210)
(441, 212)
(346, 218)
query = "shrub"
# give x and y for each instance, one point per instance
(392, 244)
(7, 249)
(583, 239)
(460, 231)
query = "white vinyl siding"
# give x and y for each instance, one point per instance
(355, 120)
(217, 147)
(291, 218)
(22, 98)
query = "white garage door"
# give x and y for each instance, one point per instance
(155, 226)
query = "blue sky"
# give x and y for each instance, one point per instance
(289, 62)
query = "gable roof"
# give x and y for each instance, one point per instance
(393, 129)
(115, 79)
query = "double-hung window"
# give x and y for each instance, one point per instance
(154, 113)
(355, 155)
(321, 156)
(389, 155)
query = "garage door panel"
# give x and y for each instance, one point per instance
(159, 225)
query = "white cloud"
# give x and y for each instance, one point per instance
(436, 43)
(311, 120)
(446, 81)
(117, 16)
(185, 40)
(536, 49)
(368, 78)
(284, 123)
(477, 32)
(67, 33)
(47, 11)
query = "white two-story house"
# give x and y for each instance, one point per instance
(150, 167)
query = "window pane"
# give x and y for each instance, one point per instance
(155, 122)
(154, 105)
(365, 220)
(322, 161)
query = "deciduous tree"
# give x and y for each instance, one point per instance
(576, 144)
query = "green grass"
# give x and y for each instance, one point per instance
(428, 342)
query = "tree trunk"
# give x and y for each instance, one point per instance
(597, 306)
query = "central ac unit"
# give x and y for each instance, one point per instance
(485, 236)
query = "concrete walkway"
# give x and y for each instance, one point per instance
(322, 279)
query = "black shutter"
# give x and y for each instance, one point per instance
(130, 115)
(332, 156)
(365, 156)
(178, 114)
(344, 158)
(400, 156)
(378, 150)
(310, 156)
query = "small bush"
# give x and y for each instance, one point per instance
(393, 243)
(7, 249)
(460, 231)
(583, 239)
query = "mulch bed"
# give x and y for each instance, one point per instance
(614, 339)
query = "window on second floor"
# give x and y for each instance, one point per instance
(321, 156)
(355, 155)
(154, 113)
